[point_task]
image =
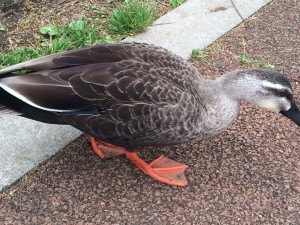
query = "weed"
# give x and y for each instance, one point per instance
(2, 27)
(49, 30)
(131, 17)
(199, 55)
(265, 65)
(85, 5)
(176, 3)
(94, 8)
(100, 11)
(25, 178)
(246, 60)
(76, 34)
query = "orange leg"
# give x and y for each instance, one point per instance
(162, 169)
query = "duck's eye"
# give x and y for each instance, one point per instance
(283, 93)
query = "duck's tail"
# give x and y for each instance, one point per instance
(12, 106)
(6, 111)
(19, 108)
(4, 98)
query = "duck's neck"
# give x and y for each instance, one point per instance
(240, 85)
(220, 109)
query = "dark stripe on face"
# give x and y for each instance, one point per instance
(281, 93)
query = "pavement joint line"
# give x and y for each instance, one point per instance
(195, 24)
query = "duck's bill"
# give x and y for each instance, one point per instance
(293, 114)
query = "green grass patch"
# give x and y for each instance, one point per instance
(131, 17)
(246, 60)
(199, 55)
(176, 3)
(2, 27)
(18, 55)
(76, 34)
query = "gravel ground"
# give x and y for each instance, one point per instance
(249, 174)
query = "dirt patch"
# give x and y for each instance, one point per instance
(9, 5)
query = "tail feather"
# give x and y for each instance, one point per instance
(6, 111)
(10, 105)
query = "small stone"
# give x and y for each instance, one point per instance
(240, 138)
(249, 141)
(227, 150)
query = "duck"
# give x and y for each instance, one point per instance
(129, 96)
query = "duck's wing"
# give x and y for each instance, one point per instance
(42, 86)
(106, 53)
(127, 92)
(105, 74)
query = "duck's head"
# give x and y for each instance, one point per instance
(265, 88)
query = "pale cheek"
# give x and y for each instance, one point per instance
(270, 105)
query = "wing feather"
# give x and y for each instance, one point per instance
(43, 92)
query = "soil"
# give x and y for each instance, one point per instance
(250, 174)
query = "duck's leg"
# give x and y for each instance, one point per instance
(162, 169)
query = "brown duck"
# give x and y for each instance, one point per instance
(136, 95)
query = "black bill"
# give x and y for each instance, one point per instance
(293, 114)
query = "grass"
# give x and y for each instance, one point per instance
(131, 17)
(76, 34)
(18, 55)
(2, 27)
(176, 3)
(246, 60)
(199, 55)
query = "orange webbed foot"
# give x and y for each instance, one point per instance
(162, 169)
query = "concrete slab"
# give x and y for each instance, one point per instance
(195, 24)
(25, 144)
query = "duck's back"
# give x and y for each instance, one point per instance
(125, 94)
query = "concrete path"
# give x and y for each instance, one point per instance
(195, 24)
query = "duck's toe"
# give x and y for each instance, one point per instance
(162, 169)
(106, 150)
